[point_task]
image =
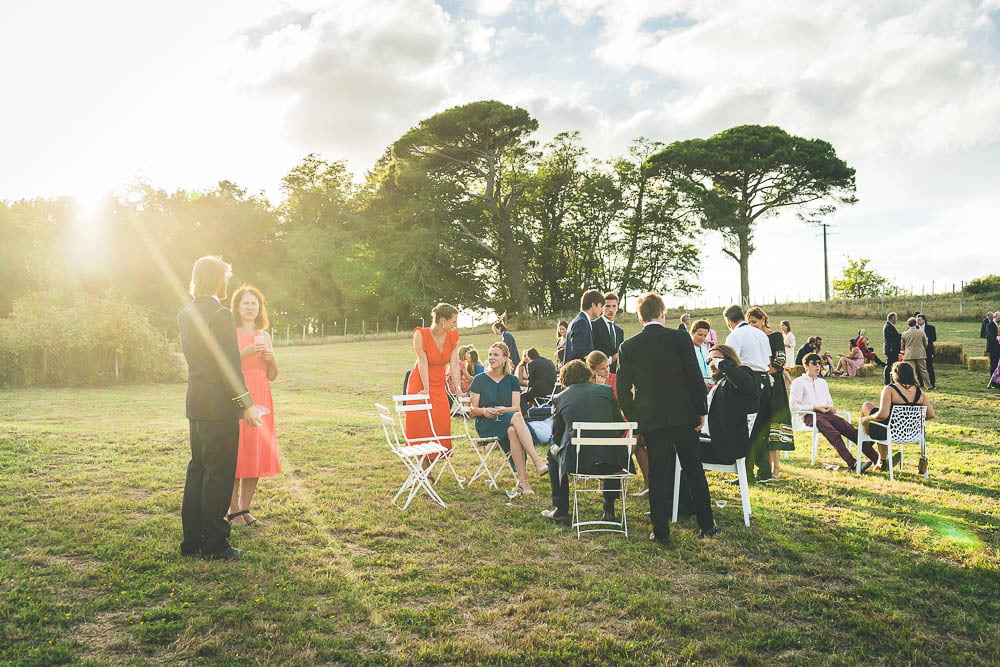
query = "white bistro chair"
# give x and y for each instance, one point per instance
(412, 458)
(612, 439)
(483, 447)
(739, 467)
(405, 403)
(907, 426)
(799, 424)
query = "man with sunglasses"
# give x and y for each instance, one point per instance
(810, 392)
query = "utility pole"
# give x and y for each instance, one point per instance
(826, 265)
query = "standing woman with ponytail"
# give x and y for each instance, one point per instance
(495, 398)
(436, 347)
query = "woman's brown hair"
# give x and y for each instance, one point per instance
(261, 321)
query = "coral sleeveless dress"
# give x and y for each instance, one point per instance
(417, 425)
(258, 453)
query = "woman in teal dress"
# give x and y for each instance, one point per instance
(495, 398)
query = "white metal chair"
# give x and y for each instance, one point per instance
(413, 458)
(405, 403)
(483, 447)
(739, 467)
(545, 400)
(906, 426)
(799, 424)
(614, 439)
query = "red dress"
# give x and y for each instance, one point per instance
(258, 453)
(417, 425)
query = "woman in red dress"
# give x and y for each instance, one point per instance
(258, 449)
(436, 347)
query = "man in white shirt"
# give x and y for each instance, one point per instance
(810, 392)
(752, 347)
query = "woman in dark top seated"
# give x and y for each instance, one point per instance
(495, 399)
(582, 400)
(902, 391)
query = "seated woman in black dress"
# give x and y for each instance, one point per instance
(495, 399)
(902, 391)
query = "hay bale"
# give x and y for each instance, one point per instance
(797, 370)
(866, 371)
(948, 353)
(981, 364)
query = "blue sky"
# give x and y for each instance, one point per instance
(189, 93)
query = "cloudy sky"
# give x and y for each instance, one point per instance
(186, 93)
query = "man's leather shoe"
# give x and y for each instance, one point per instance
(711, 532)
(557, 515)
(662, 541)
(865, 466)
(609, 515)
(229, 553)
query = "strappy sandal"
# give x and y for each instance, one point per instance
(244, 513)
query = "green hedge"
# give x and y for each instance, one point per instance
(986, 285)
(54, 339)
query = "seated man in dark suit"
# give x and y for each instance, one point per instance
(541, 379)
(582, 401)
(734, 395)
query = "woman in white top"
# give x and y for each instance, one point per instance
(790, 349)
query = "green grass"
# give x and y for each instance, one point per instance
(835, 569)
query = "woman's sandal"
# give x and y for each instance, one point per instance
(526, 489)
(244, 513)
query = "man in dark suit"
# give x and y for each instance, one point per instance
(931, 332)
(891, 341)
(608, 336)
(216, 397)
(580, 337)
(685, 324)
(984, 330)
(669, 405)
(992, 346)
(582, 401)
(541, 379)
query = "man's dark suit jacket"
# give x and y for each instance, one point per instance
(660, 364)
(736, 396)
(586, 402)
(991, 337)
(208, 341)
(891, 341)
(984, 329)
(541, 376)
(579, 338)
(931, 334)
(604, 341)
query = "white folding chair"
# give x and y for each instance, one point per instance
(545, 400)
(739, 467)
(575, 478)
(483, 447)
(413, 458)
(799, 424)
(406, 403)
(907, 426)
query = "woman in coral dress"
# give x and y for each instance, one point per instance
(258, 449)
(436, 347)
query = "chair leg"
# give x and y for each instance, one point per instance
(815, 443)
(576, 508)
(677, 485)
(741, 471)
(891, 466)
(622, 489)
(857, 458)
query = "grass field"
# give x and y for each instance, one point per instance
(835, 569)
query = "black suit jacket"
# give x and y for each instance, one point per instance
(736, 396)
(991, 337)
(891, 340)
(586, 402)
(208, 341)
(605, 341)
(660, 365)
(579, 338)
(984, 329)
(931, 334)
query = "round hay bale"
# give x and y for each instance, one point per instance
(981, 364)
(866, 371)
(797, 370)
(948, 353)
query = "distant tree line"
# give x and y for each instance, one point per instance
(464, 207)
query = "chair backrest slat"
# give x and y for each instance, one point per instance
(906, 423)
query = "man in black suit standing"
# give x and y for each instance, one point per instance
(992, 346)
(891, 341)
(608, 336)
(984, 330)
(216, 396)
(931, 332)
(580, 337)
(669, 405)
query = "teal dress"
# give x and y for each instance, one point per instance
(493, 394)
